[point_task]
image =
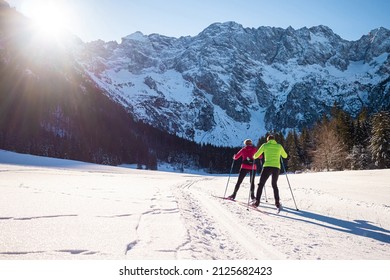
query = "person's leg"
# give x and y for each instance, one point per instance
(275, 176)
(241, 177)
(252, 177)
(263, 178)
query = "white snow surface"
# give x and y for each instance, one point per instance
(59, 209)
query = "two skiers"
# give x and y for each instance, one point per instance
(272, 152)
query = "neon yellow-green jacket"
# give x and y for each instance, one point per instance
(272, 153)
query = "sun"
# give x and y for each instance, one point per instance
(50, 18)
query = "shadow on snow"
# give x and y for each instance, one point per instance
(357, 227)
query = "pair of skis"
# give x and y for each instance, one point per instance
(250, 206)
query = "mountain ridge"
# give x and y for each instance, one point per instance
(230, 82)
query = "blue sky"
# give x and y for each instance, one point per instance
(114, 19)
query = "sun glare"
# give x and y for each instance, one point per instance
(50, 18)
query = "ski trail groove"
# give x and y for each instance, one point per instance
(211, 224)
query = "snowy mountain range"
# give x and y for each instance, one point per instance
(229, 82)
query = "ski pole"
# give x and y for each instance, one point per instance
(231, 169)
(285, 172)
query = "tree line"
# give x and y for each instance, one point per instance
(340, 142)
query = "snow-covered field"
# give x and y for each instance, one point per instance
(56, 209)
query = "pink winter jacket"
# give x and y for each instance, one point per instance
(247, 157)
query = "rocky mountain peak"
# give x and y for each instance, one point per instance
(230, 82)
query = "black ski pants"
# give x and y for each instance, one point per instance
(268, 171)
(241, 176)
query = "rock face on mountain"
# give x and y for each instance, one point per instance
(229, 83)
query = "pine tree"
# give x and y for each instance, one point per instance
(359, 157)
(380, 139)
(343, 126)
(362, 128)
(293, 151)
(306, 144)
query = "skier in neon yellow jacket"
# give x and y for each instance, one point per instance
(272, 152)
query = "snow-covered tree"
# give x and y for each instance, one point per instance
(359, 157)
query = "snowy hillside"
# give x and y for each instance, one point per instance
(55, 209)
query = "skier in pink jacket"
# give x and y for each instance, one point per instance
(247, 166)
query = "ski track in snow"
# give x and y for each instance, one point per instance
(118, 213)
(216, 229)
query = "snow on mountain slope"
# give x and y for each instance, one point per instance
(82, 212)
(230, 82)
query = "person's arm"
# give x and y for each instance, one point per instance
(259, 152)
(283, 152)
(238, 155)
